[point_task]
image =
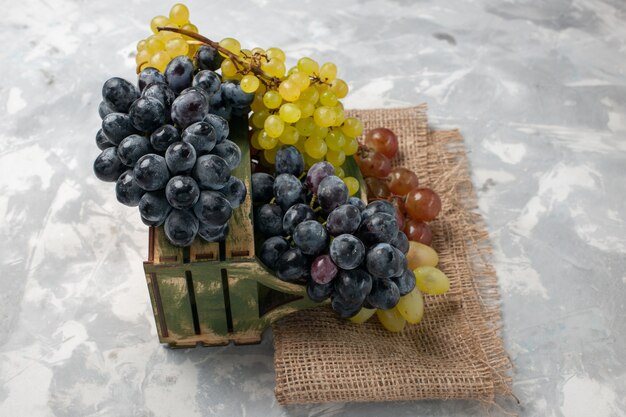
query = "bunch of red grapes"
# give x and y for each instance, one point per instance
(415, 205)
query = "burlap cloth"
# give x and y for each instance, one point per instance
(456, 352)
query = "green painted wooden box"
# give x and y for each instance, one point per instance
(214, 293)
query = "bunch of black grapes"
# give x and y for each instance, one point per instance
(164, 142)
(315, 234)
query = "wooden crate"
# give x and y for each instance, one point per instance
(215, 293)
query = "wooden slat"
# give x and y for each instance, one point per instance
(164, 252)
(176, 306)
(209, 299)
(202, 251)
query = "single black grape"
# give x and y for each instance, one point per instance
(343, 219)
(209, 81)
(288, 191)
(292, 266)
(189, 108)
(211, 172)
(230, 152)
(269, 220)
(220, 125)
(180, 158)
(332, 193)
(207, 96)
(116, 126)
(354, 285)
(181, 227)
(310, 237)
(132, 148)
(319, 292)
(316, 174)
(271, 250)
(207, 58)
(344, 308)
(384, 295)
(104, 109)
(234, 191)
(127, 191)
(147, 114)
(378, 206)
(262, 187)
(212, 208)
(163, 137)
(151, 172)
(108, 166)
(405, 282)
(347, 251)
(182, 192)
(289, 161)
(154, 208)
(378, 228)
(201, 135)
(179, 73)
(148, 76)
(213, 233)
(161, 92)
(232, 92)
(119, 94)
(101, 140)
(384, 261)
(296, 214)
(401, 242)
(219, 106)
(357, 202)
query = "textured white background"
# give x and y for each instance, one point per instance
(537, 88)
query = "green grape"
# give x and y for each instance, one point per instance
(273, 126)
(254, 140)
(340, 116)
(320, 131)
(258, 51)
(300, 79)
(141, 45)
(310, 94)
(272, 99)
(266, 141)
(363, 315)
(352, 127)
(154, 45)
(308, 66)
(328, 72)
(276, 53)
(351, 146)
(300, 145)
(315, 148)
(160, 60)
(339, 87)
(431, 280)
(176, 47)
(391, 319)
(289, 91)
(328, 98)
(306, 108)
(305, 126)
(166, 35)
(274, 67)
(179, 14)
(158, 21)
(340, 172)
(228, 68)
(324, 116)
(190, 27)
(290, 135)
(352, 184)
(249, 83)
(258, 118)
(231, 45)
(335, 139)
(309, 161)
(336, 158)
(270, 155)
(257, 103)
(420, 254)
(411, 306)
(289, 113)
(142, 57)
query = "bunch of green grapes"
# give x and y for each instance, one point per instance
(158, 49)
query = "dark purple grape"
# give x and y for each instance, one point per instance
(232, 92)
(289, 161)
(182, 192)
(219, 124)
(212, 208)
(323, 269)
(288, 191)
(147, 114)
(179, 73)
(189, 108)
(154, 208)
(161, 92)
(104, 109)
(163, 137)
(230, 152)
(378, 206)
(207, 58)
(343, 219)
(269, 220)
(206, 95)
(127, 191)
(119, 94)
(318, 292)
(271, 250)
(151, 172)
(347, 251)
(116, 126)
(316, 174)
(332, 193)
(357, 202)
(108, 166)
(101, 140)
(353, 286)
(132, 148)
(344, 308)
(209, 81)
(212, 233)
(384, 261)
(292, 266)
(201, 135)
(378, 228)
(262, 187)
(400, 242)
(404, 263)
(405, 282)
(384, 295)
(234, 191)
(148, 76)
(219, 106)
(296, 214)
(181, 227)
(310, 237)
(211, 172)
(180, 158)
